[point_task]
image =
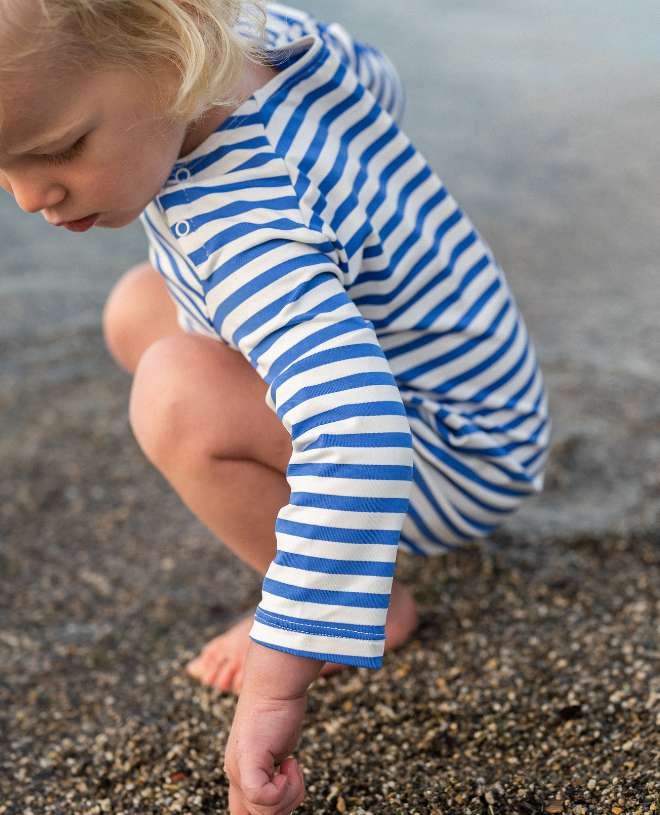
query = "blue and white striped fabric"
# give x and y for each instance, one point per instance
(309, 234)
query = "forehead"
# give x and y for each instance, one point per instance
(38, 109)
(32, 104)
(29, 69)
(49, 77)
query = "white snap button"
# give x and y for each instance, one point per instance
(182, 228)
(182, 174)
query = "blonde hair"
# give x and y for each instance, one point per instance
(201, 40)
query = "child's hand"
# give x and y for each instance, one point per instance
(263, 734)
(266, 728)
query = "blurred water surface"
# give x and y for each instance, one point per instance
(542, 120)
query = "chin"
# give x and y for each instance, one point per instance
(116, 221)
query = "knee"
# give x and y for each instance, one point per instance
(158, 411)
(119, 318)
(166, 410)
(139, 311)
(195, 401)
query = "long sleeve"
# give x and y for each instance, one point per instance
(327, 591)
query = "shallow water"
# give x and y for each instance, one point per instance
(542, 119)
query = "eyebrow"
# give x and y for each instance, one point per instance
(45, 142)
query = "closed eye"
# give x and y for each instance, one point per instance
(67, 155)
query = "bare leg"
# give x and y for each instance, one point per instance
(138, 312)
(198, 412)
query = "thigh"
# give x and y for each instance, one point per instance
(194, 392)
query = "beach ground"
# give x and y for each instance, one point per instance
(531, 685)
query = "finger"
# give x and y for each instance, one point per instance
(301, 778)
(286, 766)
(293, 771)
(236, 806)
(260, 790)
(291, 786)
(295, 788)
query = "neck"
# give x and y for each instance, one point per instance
(254, 76)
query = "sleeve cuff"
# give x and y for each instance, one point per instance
(361, 646)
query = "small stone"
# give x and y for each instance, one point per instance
(554, 807)
(591, 784)
(442, 686)
(403, 671)
(341, 804)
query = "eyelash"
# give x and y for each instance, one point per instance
(67, 155)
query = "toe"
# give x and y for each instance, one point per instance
(224, 676)
(332, 667)
(210, 671)
(194, 667)
(238, 681)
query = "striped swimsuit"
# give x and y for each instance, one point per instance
(310, 235)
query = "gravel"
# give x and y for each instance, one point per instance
(531, 685)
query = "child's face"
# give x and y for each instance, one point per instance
(92, 144)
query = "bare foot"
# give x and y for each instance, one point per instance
(220, 663)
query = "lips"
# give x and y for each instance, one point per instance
(82, 224)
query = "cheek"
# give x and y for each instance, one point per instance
(138, 173)
(117, 184)
(125, 174)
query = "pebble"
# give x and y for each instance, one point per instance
(531, 669)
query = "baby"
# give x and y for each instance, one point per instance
(328, 364)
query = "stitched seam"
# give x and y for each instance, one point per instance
(290, 627)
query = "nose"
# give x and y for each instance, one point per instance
(32, 194)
